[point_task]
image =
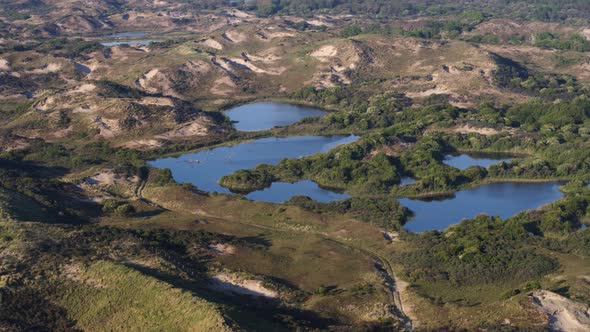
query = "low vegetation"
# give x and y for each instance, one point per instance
(93, 238)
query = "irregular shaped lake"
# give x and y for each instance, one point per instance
(497, 199)
(266, 115)
(466, 160)
(205, 168)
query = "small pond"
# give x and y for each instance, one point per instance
(144, 42)
(266, 115)
(137, 34)
(280, 192)
(466, 160)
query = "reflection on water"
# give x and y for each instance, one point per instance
(497, 199)
(280, 192)
(144, 42)
(266, 115)
(205, 168)
(466, 160)
(128, 35)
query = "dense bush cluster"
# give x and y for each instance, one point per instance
(545, 10)
(385, 212)
(574, 42)
(514, 76)
(489, 250)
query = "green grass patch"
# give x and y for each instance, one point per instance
(112, 297)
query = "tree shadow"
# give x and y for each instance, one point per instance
(149, 213)
(257, 242)
(35, 192)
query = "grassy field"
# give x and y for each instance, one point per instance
(112, 297)
(296, 248)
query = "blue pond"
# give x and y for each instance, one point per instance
(407, 181)
(280, 192)
(126, 38)
(266, 115)
(128, 35)
(144, 42)
(464, 161)
(205, 168)
(497, 199)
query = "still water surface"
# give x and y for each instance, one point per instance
(497, 199)
(466, 160)
(205, 168)
(266, 115)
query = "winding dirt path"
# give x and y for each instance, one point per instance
(383, 265)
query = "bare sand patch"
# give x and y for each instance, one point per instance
(143, 144)
(155, 81)
(254, 68)
(319, 22)
(45, 105)
(106, 178)
(279, 34)
(467, 129)
(227, 283)
(48, 69)
(391, 236)
(4, 65)
(13, 143)
(235, 36)
(327, 51)
(223, 249)
(96, 184)
(61, 133)
(109, 128)
(84, 88)
(563, 314)
(239, 13)
(160, 101)
(223, 86)
(197, 128)
(213, 44)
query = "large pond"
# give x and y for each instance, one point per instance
(466, 160)
(497, 199)
(205, 168)
(266, 115)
